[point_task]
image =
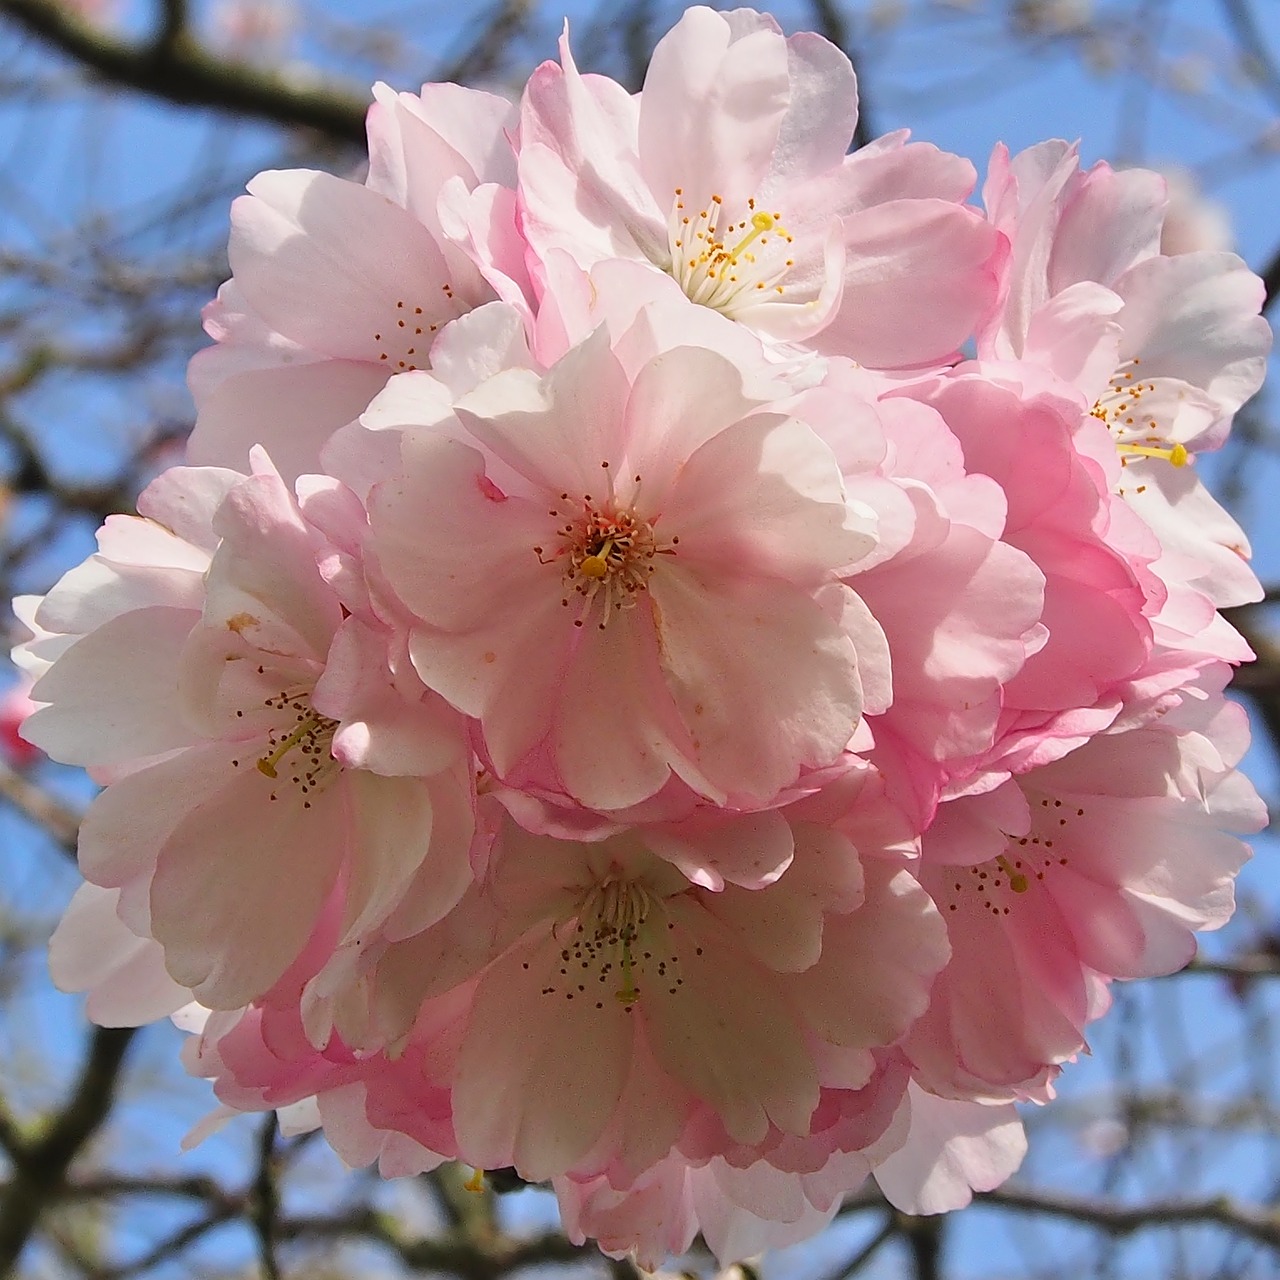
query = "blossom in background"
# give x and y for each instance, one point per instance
(15, 706)
(254, 30)
(98, 12)
(1193, 220)
(616, 694)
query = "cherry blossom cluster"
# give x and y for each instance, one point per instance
(682, 661)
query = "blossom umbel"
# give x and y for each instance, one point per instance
(614, 693)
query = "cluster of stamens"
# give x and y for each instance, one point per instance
(721, 265)
(608, 552)
(302, 746)
(1135, 432)
(403, 345)
(1030, 860)
(610, 948)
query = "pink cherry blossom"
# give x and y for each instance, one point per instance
(960, 608)
(337, 284)
(1165, 349)
(1099, 590)
(602, 971)
(1097, 866)
(628, 577)
(729, 172)
(618, 695)
(239, 714)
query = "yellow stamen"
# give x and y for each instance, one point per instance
(475, 1183)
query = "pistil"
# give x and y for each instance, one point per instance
(609, 551)
(308, 741)
(717, 276)
(616, 940)
(1136, 433)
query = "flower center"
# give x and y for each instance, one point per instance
(725, 263)
(995, 886)
(299, 752)
(615, 947)
(608, 551)
(1135, 432)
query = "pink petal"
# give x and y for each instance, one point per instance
(264, 583)
(891, 168)
(113, 694)
(446, 871)
(711, 848)
(240, 882)
(763, 679)
(887, 951)
(291, 410)
(615, 736)
(126, 826)
(417, 142)
(1195, 318)
(384, 730)
(918, 276)
(392, 820)
(557, 431)
(678, 401)
(580, 182)
(92, 950)
(337, 267)
(952, 1150)
(728, 1035)
(539, 1074)
(822, 110)
(715, 97)
(1110, 221)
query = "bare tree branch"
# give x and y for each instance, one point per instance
(1270, 274)
(173, 66)
(1261, 1225)
(483, 55)
(265, 1202)
(40, 1165)
(846, 1270)
(32, 800)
